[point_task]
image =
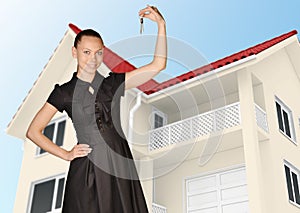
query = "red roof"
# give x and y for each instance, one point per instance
(222, 62)
(118, 64)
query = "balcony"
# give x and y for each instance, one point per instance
(201, 125)
(158, 208)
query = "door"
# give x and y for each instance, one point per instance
(220, 192)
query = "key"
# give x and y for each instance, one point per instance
(142, 25)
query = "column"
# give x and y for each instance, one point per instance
(251, 142)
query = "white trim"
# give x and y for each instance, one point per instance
(261, 110)
(290, 117)
(159, 113)
(131, 117)
(290, 139)
(153, 190)
(34, 183)
(297, 172)
(160, 207)
(55, 194)
(197, 78)
(295, 204)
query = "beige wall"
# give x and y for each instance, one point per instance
(279, 79)
(202, 108)
(169, 188)
(35, 168)
(142, 124)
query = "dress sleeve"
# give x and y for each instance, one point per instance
(56, 98)
(117, 80)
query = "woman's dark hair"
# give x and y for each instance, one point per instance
(87, 32)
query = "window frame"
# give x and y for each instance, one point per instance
(154, 112)
(55, 191)
(291, 125)
(55, 131)
(296, 171)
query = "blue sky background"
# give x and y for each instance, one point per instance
(32, 29)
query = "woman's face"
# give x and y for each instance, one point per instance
(89, 53)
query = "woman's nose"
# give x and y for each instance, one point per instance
(94, 57)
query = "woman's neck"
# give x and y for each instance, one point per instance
(86, 76)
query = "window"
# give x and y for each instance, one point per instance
(158, 121)
(285, 120)
(55, 131)
(159, 118)
(292, 175)
(47, 196)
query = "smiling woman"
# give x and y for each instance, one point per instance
(102, 175)
(31, 32)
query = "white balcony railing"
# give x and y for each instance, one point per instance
(261, 118)
(203, 124)
(158, 208)
(200, 125)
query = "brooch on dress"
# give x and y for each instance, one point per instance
(91, 90)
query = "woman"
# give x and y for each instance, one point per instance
(102, 176)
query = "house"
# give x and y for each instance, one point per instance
(220, 138)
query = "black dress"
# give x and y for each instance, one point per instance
(106, 180)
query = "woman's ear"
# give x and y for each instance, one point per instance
(74, 52)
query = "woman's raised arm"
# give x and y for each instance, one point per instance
(148, 71)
